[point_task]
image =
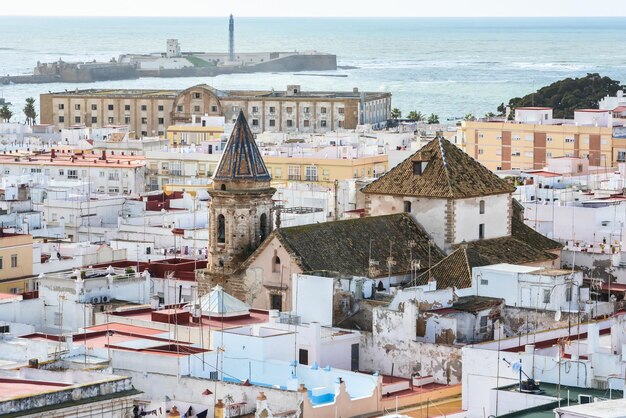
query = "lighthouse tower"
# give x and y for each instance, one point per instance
(231, 39)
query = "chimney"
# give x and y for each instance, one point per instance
(219, 409)
(355, 90)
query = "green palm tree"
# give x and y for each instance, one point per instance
(469, 117)
(5, 113)
(30, 112)
(395, 113)
(416, 116)
(433, 118)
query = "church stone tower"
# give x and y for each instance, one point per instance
(241, 208)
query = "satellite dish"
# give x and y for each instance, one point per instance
(517, 366)
(557, 315)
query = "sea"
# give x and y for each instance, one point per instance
(447, 66)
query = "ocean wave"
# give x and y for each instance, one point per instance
(550, 66)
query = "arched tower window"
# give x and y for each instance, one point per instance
(481, 206)
(221, 229)
(223, 187)
(276, 264)
(263, 227)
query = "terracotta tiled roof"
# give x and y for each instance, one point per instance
(241, 159)
(449, 173)
(455, 270)
(344, 246)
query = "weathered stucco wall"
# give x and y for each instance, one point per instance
(496, 217)
(265, 277)
(392, 344)
(430, 213)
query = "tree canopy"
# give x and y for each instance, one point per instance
(567, 95)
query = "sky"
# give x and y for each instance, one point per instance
(316, 8)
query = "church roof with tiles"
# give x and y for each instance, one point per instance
(440, 169)
(241, 159)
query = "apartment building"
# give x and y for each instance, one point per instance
(172, 171)
(112, 173)
(150, 112)
(16, 262)
(199, 131)
(534, 136)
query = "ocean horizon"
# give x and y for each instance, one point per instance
(448, 66)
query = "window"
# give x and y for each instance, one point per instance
(144, 133)
(340, 110)
(72, 174)
(196, 95)
(569, 140)
(323, 123)
(221, 229)
(127, 120)
(1, 263)
(77, 119)
(263, 227)
(481, 231)
(114, 175)
(568, 293)
(235, 109)
(294, 172)
(161, 121)
(179, 108)
(61, 173)
(322, 110)
(549, 139)
(546, 295)
(94, 107)
(278, 173)
(272, 122)
(340, 124)
(483, 322)
(481, 151)
(303, 356)
(111, 107)
(114, 189)
(306, 123)
(144, 121)
(61, 119)
(77, 106)
(306, 109)
(214, 109)
(94, 119)
(127, 108)
(289, 109)
(289, 123)
(481, 207)
(14, 261)
(196, 108)
(272, 109)
(255, 122)
(255, 109)
(310, 173)
(484, 282)
(160, 108)
(144, 108)
(111, 120)
(61, 106)
(407, 206)
(276, 302)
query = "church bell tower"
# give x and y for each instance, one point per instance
(241, 211)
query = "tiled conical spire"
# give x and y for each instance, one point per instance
(241, 159)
